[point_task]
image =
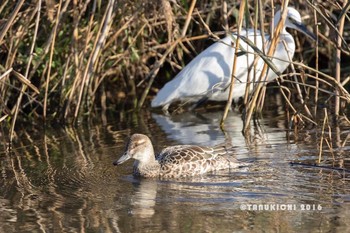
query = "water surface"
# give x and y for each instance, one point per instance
(63, 180)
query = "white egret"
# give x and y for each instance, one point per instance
(209, 74)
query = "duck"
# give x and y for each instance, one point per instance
(175, 161)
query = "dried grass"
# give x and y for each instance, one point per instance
(83, 57)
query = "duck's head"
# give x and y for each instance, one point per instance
(293, 20)
(139, 147)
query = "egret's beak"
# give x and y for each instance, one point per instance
(302, 28)
(122, 159)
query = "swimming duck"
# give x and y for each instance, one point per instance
(175, 161)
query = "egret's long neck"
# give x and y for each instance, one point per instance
(276, 21)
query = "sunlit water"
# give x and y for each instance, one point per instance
(63, 180)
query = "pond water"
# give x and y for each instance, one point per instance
(63, 180)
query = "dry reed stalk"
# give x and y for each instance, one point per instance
(65, 73)
(188, 19)
(10, 20)
(273, 7)
(18, 104)
(316, 62)
(331, 93)
(121, 29)
(345, 81)
(6, 109)
(260, 18)
(25, 82)
(100, 40)
(169, 18)
(344, 93)
(252, 104)
(337, 63)
(159, 63)
(133, 30)
(3, 117)
(210, 34)
(7, 72)
(3, 5)
(207, 28)
(261, 98)
(93, 84)
(229, 100)
(325, 121)
(330, 24)
(52, 47)
(77, 58)
(25, 78)
(329, 142)
(193, 38)
(153, 73)
(347, 139)
(290, 105)
(250, 82)
(46, 47)
(300, 95)
(224, 13)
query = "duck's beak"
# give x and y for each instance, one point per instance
(122, 159)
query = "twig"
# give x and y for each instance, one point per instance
(104, 29)
(229, 100)
(325, 121)
(7, 72)
(77, 80)
(319, 166)
(251, 105)
(24, 79)
(25, 82)
(10, 20)
(50, 59)
(331, 25)
(159, 63)
(316, 63)
(337, 63)
(300, 95)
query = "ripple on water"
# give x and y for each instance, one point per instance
(66, 182)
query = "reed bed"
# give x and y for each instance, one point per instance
(64, 60)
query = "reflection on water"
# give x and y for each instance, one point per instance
(190, 128)
(62, 180)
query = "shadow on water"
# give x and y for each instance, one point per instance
(62, 180)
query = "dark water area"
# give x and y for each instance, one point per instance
(63, 180)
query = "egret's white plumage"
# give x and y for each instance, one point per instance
(209, 74)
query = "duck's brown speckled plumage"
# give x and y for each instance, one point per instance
(175, 161)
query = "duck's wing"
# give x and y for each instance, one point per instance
(190, 153)
(189, 160)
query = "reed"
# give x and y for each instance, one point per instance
(234, 65)
(79, 58)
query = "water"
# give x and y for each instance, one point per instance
(63, 180)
